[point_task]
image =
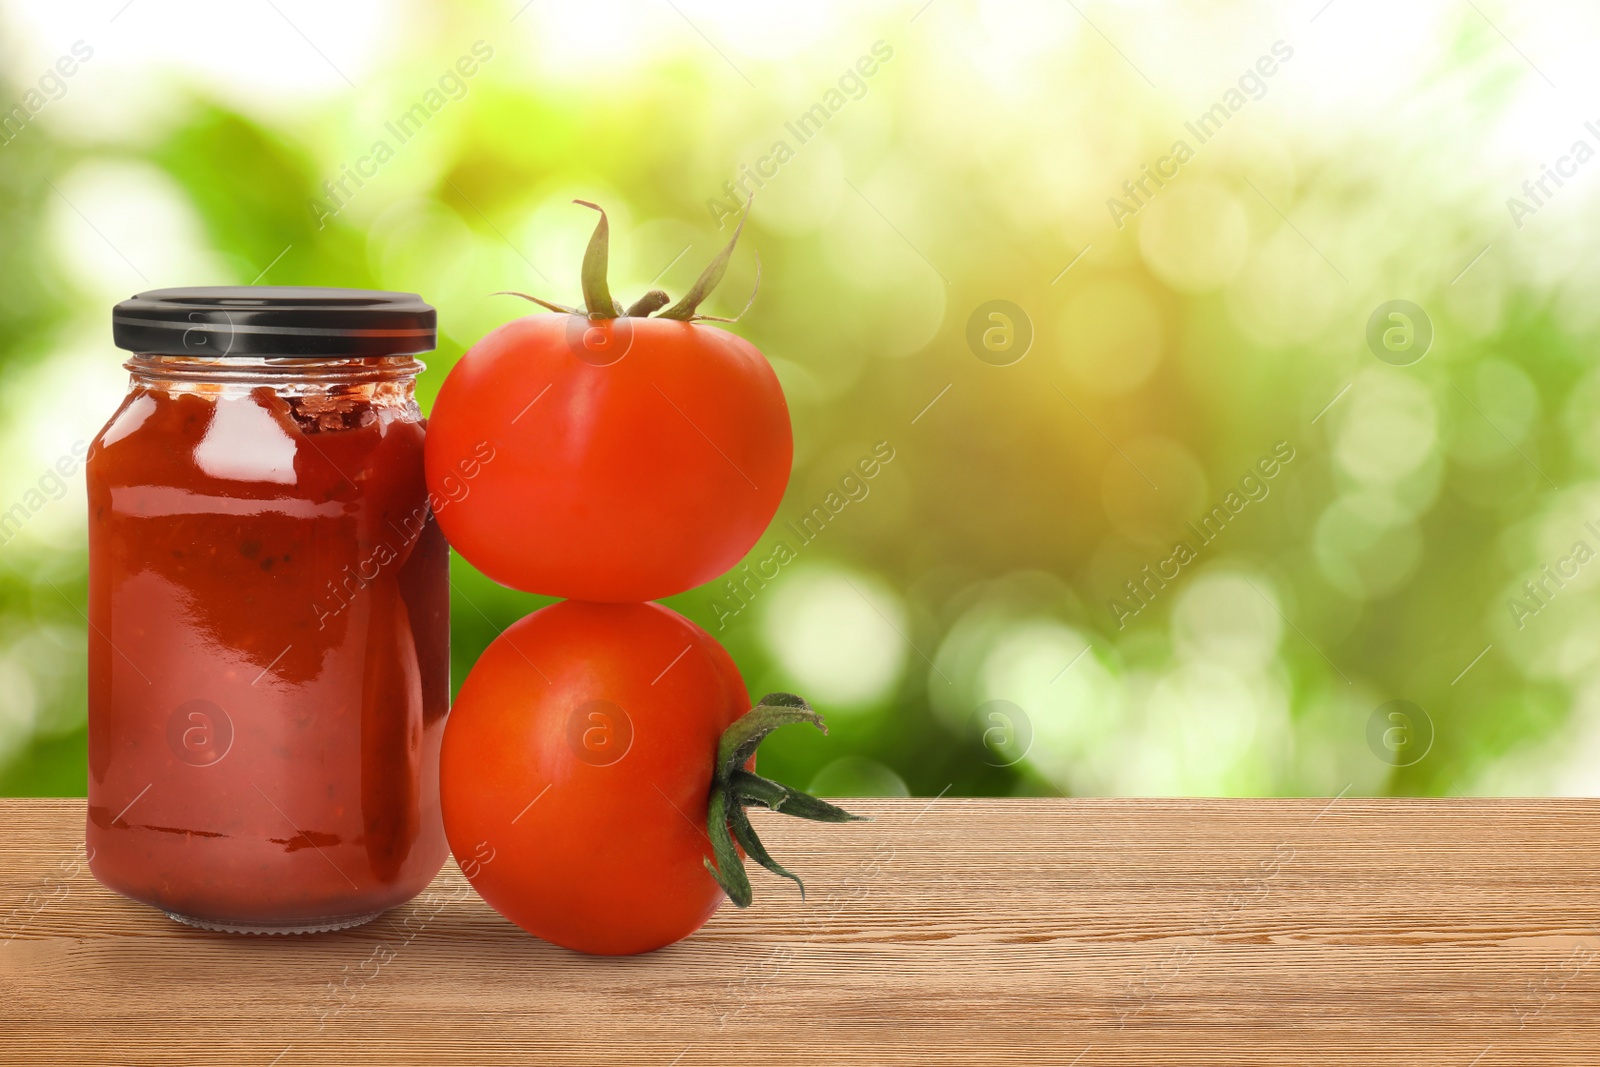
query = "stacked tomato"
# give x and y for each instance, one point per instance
(600, 756)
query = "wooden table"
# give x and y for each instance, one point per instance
(1088, 932)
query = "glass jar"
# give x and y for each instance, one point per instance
(268, 611)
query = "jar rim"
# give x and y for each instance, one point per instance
(274, 369)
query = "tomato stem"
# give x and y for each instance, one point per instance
(733, 788)
(600, 304)
(649, 303)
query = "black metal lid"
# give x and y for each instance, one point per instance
(270, 320)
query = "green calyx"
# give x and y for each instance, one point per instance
(599, 303)
(596, 258)
(733, 789)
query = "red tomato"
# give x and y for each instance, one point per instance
(579, 772)
(581, 750)
(633, 457)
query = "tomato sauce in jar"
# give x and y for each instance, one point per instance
(268, 611)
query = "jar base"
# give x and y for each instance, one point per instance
(263, 928)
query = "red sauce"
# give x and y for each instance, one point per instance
(268, 651)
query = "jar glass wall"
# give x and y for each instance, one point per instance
(268, 641)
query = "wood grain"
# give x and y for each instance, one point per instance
(1087, 932)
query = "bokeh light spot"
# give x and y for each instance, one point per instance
(837, 633)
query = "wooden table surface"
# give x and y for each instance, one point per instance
(1087, 932)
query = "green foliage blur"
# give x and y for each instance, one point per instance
(1026, 597)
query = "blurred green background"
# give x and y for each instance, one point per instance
(1163, 344)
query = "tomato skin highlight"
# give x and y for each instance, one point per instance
(620, 481)
(594, 848)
